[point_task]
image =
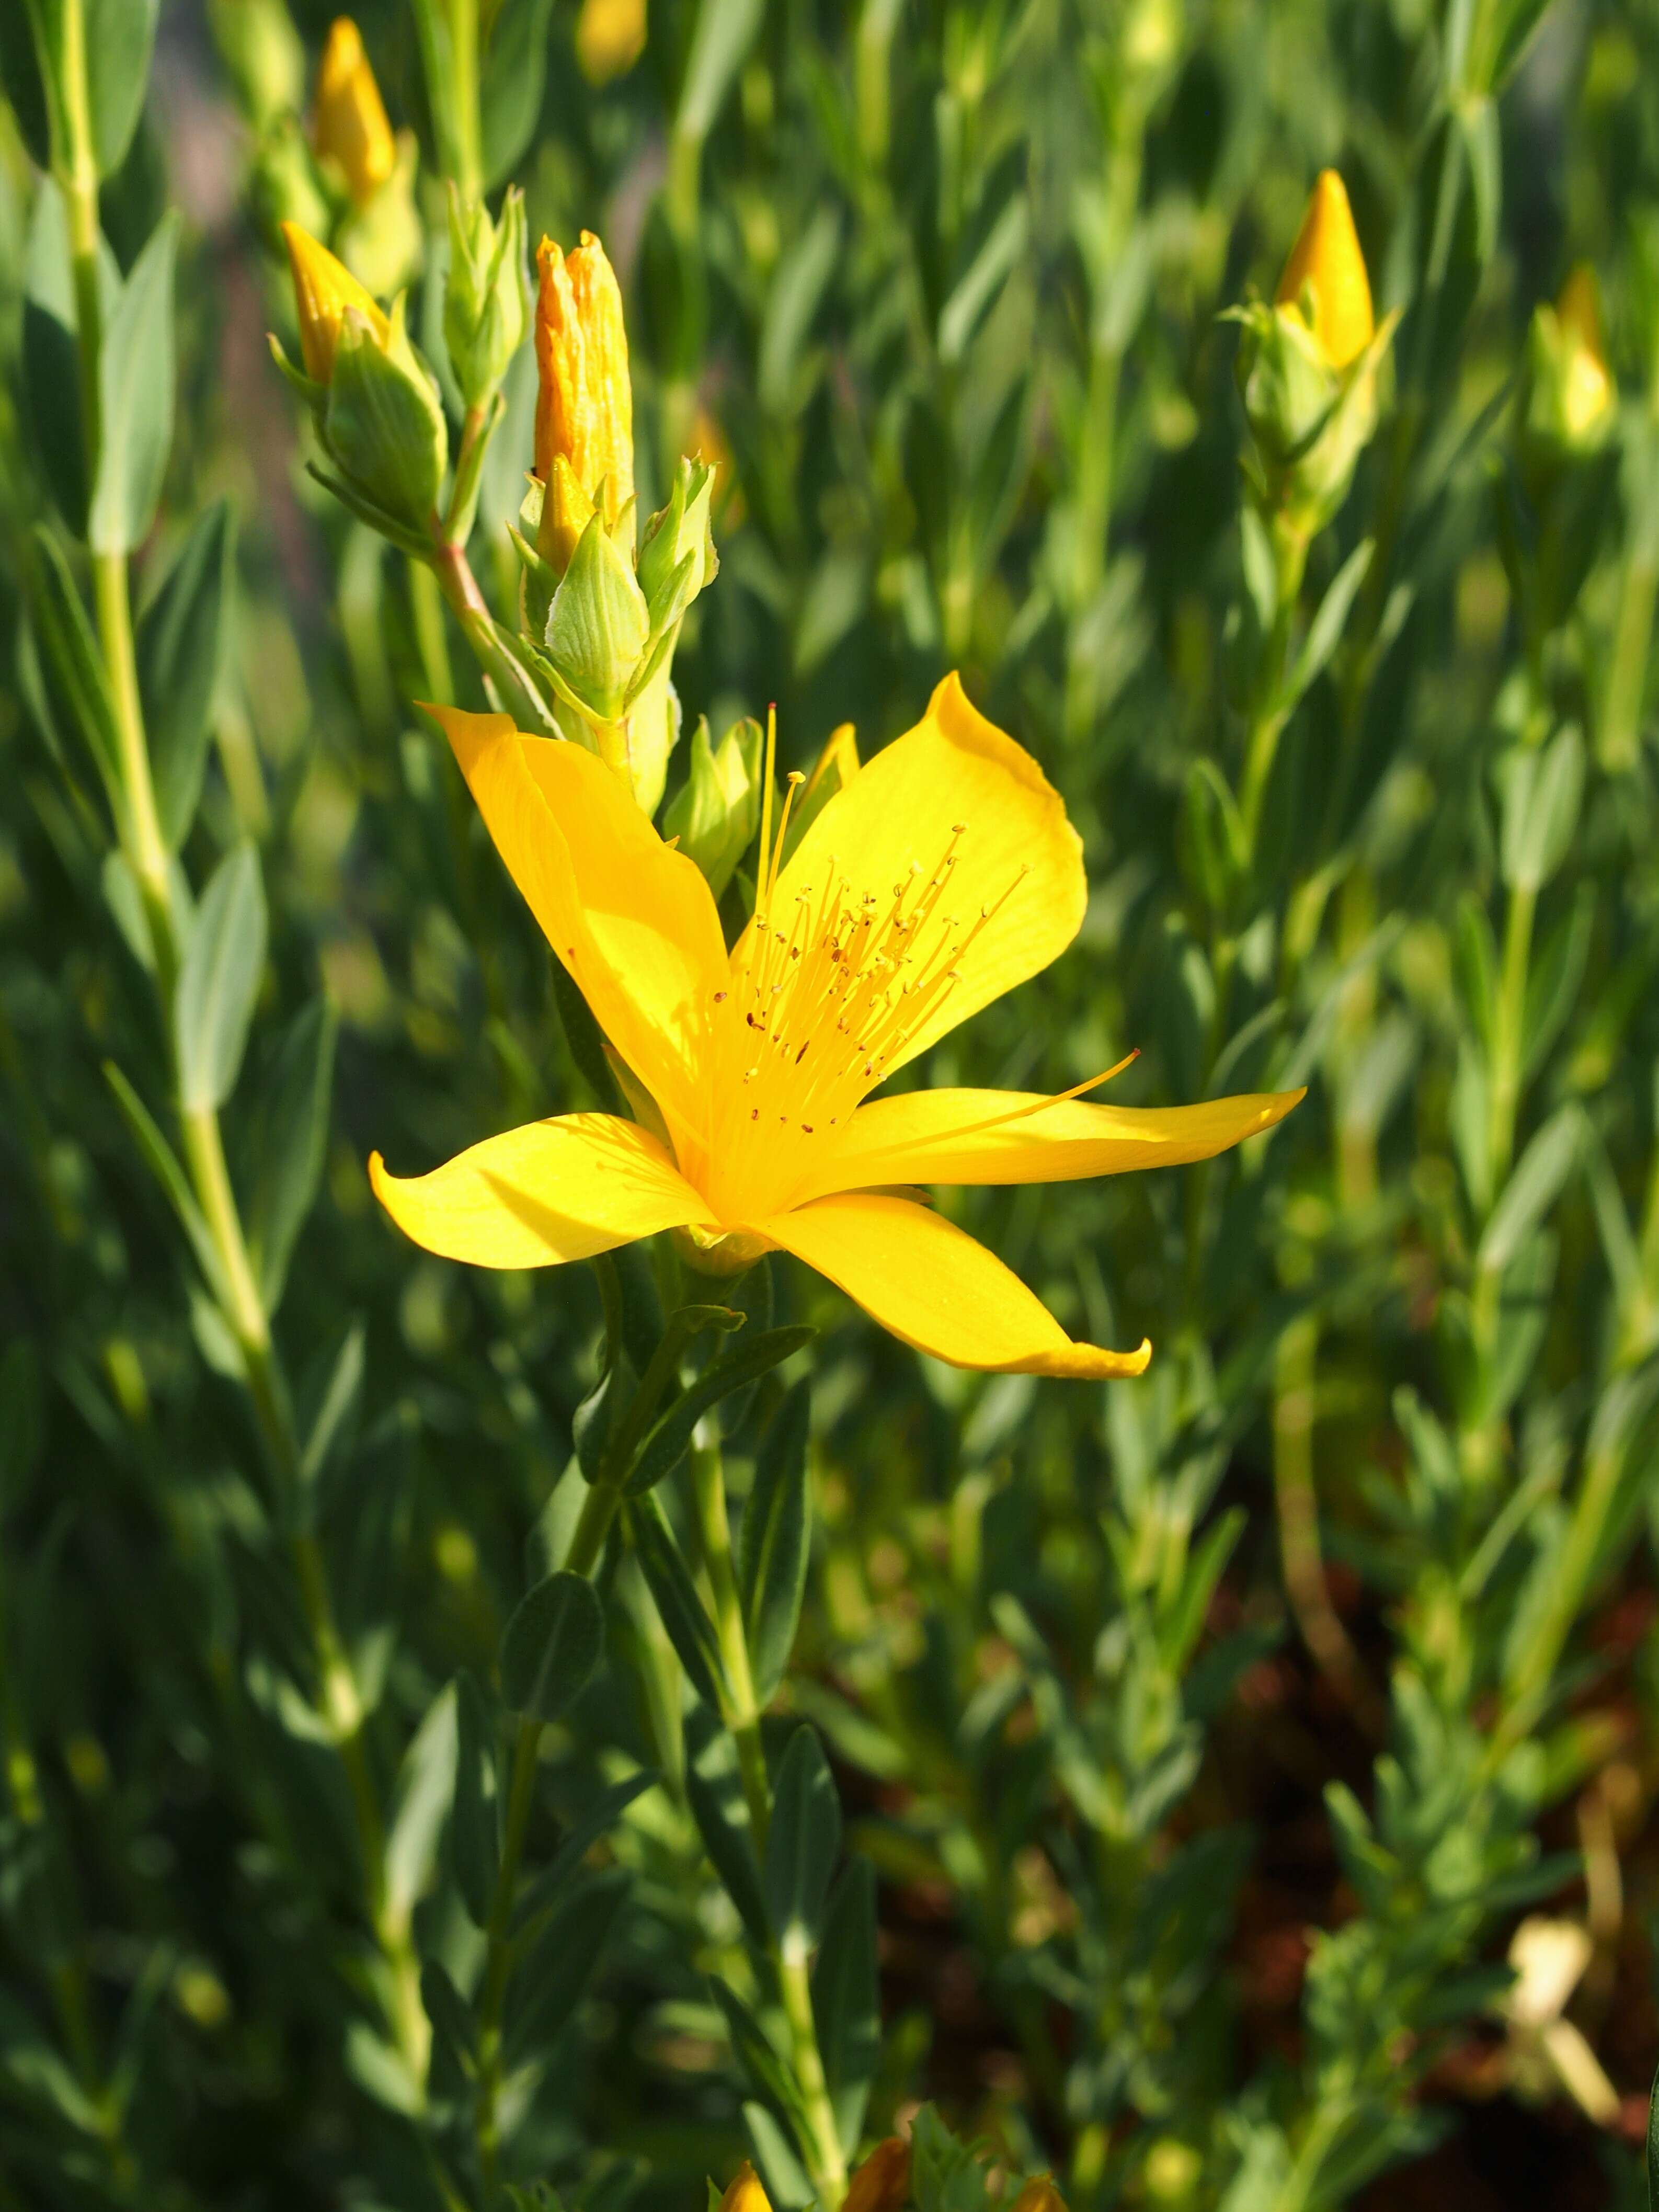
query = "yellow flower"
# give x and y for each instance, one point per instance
(1587, 394)
(745, 2193)
(883, 2182)
(610, 38)
(943, 874)
(1327, 258)
(1040, 2195)
(322, 290)
(584, 406)
(349, 123)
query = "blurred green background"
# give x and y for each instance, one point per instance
(1212, 1735)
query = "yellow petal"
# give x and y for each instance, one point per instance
(632, 920)
(349, 124)
(1014, 1136)
(1017, 860)
(610, 38)
(1327, 257)
(935, 1288)
(323, 288)
(549, 1192)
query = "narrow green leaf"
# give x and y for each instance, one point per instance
(121, 37)
(136, 383)
(420, 1799)
(773, 1541)
(1531, 1190)
(219, 981)
(474, 1836)
(164, 1166)
(181, 647)
(510, 94)
(724, 31)
(801, 1844)
(1326, 629)
(846, 1999)
(72, 663)
(683, 1615)
(552, 1645)
(291, 1144)
(714, 1789)
(558, 1966)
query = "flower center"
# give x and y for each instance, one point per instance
(831, 993)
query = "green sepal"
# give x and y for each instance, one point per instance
(597, 627)
(383, 422)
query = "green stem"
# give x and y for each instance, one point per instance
(714, 1531)
(1627, 670)
(463, 86)
(599, 1510)
(1269, 710)
(827, 2164)
(514, 691)
(1510, 1038)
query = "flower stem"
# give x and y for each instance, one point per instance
(826, 2166)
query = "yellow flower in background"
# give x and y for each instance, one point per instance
(1327, 258)
(610, 38)
(744, 2192)
(883, 2182)
(323, 288)
(940, 876)
(348, 120)
(1587, 390)
(584, 400)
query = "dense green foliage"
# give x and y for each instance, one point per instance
(1196, 1743)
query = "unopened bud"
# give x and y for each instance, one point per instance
(717, 812)
(487, 299)
(323, 289)
(1569, 400)
(1040, 2195)
(1326, 272)
(585, 403)
(1308, 368)
(350, 128)
(883, 2182)
(745, 2193)
(610, 38)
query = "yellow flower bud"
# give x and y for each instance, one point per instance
(1587, 394)
(745, 2194)
(585, 407)
(322, 290)
(1039, 2194)
(348, 124)
(1327, 258)
(610, 38)
(883, 2182)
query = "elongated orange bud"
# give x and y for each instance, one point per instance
(1327, 258)
(883, 2182)
(323, 289)
(745, 2193)
(584, 406)
(349, 124)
